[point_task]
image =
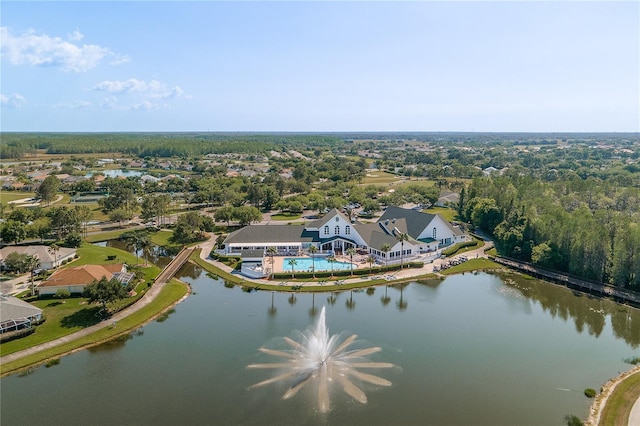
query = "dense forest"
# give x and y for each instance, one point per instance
(164, 145)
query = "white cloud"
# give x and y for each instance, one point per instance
(15, 100)
(75, 35)
(42, 50)
(152, 89)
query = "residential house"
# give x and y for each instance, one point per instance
(48, 258)
(16, 314)
(76, 279)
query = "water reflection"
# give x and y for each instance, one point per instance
(588, 313)
(156, 255)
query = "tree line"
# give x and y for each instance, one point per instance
(586, 227)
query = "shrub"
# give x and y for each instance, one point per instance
(52, 362)
(589, 393)
(62, 293)
(573, 420)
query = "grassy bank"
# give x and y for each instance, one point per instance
(170, 294)
(616, 411)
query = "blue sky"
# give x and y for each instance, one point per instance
(320, 66)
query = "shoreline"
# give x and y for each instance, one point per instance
(127, 312)
(600, 401)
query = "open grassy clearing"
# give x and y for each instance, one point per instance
(380, 178)
(8, 196)
(472, 265)
(447, 213)
(113, 234)
(161, 238)
(286, 216)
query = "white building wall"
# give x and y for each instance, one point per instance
(338, 226)
(442, 228)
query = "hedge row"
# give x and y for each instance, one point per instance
(454, 249)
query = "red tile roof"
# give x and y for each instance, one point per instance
(82, 274)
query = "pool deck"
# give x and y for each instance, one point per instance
(280, 266)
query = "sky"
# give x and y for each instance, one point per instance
(301, 66)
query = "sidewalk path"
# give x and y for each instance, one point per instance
(634, 415)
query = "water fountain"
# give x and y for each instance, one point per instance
(324, 361)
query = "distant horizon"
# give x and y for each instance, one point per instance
(337, 132)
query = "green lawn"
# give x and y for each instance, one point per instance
(380, 178)
(161, 238)
(471, 265)
(447, 213)
(286, 216)
(105, 236)
(6, 196)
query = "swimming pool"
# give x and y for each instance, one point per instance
(304, 264)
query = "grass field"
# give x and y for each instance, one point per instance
(286, 216)
(380, 178)
(7, 196)
(448, 214)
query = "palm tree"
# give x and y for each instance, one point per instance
(271, 251)
(292, 262)
(138, 241)
(313, 250)
(402, 237)
(371, 260)
(146, 245)
(351, 251)
(32, 263)
(331, 259)
(54, 249)
(386, 248)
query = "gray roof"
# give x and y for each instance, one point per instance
(14, 308)
(318, 223)
(41, 252)
(268, 234)
(408, 221)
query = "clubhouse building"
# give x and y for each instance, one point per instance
(398, 234)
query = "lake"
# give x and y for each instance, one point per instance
(473, 349)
